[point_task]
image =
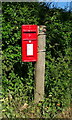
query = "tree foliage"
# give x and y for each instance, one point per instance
(18, 77)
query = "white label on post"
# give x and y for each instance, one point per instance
(29, 49)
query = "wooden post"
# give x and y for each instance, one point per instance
(40, 66)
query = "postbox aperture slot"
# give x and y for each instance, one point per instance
(29, 32)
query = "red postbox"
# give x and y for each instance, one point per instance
(29, 43)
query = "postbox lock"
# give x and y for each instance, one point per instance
(29, 41)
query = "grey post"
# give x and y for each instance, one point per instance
(40, 66)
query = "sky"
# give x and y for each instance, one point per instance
(55, 0)
(62, 4)
(59, 3)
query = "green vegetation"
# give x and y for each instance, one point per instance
(18, 77)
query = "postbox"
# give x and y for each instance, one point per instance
(29, 43)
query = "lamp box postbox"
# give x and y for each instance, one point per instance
(29, 43)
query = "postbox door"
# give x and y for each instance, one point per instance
(29, 51)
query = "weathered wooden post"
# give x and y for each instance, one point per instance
(40, 66)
